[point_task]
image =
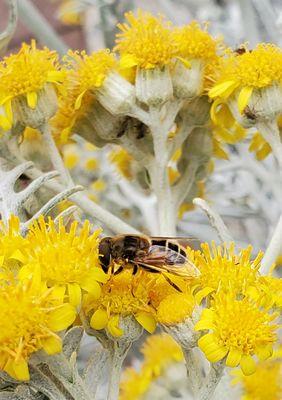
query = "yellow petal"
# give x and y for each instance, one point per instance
(74, 294)
(244, 97)
(21, 370)
(5, 123)
(217, 354)
(55, 76)
(18, 255)
(2, 258)
(233, 358)
(248, 365)
(264, 352)
(92, 287)
(62, 317)
(99, 319)
(207, 341)
(99, 275)
(113, 326)
(52, 345)
(203, 325)
(128, 61)
(223, 89)
(186, 63)
(201, 294)
(32, 99)
(58, 292)
(147, 321)
(214, 110)
(78, 101)
(8, 109)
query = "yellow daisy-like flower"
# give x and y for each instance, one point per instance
(145, 41)
(88, 72)
(159, 352)
(123, 295)
(256, 69)
(175, 308)
(69, 260)
(238, 330)
(265, 383)
(222, 269)
(30, 316)
(26, 74)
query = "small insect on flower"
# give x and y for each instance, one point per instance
(156, 254)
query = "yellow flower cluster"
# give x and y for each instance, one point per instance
(159, 352)
(239, 321)
(45, 273)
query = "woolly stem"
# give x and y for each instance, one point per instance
(215, 220)
(212, 380)
(273, 250)
(270, 132)
(118, 354)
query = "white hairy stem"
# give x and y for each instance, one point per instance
(7, 34)
(182, 188)
(273, 250)
(159, 174)
(55, 156)
(179, 139)
(270, 132)
(211, 381)
(117, 353)
(194, 374)
(215, 220)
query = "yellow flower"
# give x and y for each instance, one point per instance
(26, 74)
(123, 295)
(256, 69)
(238, 330)
(223, 269)
(268, 291)
(123, 162)
(265, 383)
(88, 72)
(159, 352)
(175, 308)
(69, 260)
(30, 316)
(11, 245)
(145, 41)
(70, 12)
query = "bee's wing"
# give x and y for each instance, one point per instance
(192, 242)
(168, 260)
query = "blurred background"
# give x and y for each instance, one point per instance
(244, 190)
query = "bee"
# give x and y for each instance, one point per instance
(154, 254)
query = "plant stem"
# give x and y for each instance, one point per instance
(55, 156)
(211, 381)
(193, 370)
(159, 175)
(273, 250)
(270, 133)
(118, 354)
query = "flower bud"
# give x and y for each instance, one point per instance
(187, 81)
(116, 94)
(45, 108)
(153, 85)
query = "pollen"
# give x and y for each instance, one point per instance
(145, 41)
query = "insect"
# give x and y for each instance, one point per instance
(250, 114)
(153, 254)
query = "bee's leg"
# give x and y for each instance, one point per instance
(172, 283)
(118, 271)
(135, 269)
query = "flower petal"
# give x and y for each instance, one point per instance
(5, 123)
(55, 76)
(147, 321)
(201, 294)
(52, 345)
(62, 317)
(21, 370)
(18, 255)
(127, 61)
(223, 89)
(233, 358)
(78, 100)
(248, 365)
(74, 294)
(99, 319)
(99, 275)
(244, 97)
(264, 352)
(113, 326)
(92, 287)
(31, 99)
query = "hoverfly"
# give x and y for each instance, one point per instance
(153, 254)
